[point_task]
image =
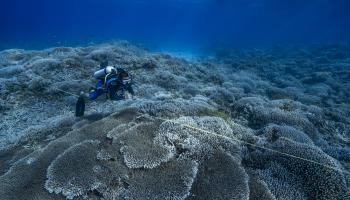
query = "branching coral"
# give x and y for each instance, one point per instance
(320, 182)
(281, 183)
(176, 107)
(273, 132)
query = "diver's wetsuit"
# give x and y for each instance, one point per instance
(113, 86)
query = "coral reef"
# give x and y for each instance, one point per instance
(71, 173)
(244, 124)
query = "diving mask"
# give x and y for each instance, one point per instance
(126, 81)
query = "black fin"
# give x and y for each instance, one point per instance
(80, 107)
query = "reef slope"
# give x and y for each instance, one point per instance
(199, 129)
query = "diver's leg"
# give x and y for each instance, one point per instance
(98, 91)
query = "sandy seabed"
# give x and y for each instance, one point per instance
(219, 127)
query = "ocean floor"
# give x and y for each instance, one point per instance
(243, 124)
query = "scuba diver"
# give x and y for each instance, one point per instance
(114, 82)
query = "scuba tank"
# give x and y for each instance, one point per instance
(103, 72)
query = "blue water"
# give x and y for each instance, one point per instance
(178, 24)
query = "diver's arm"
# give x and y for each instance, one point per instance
(130, 90)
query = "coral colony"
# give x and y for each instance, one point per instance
(246, 124)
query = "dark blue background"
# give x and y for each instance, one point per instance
(172, 23)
